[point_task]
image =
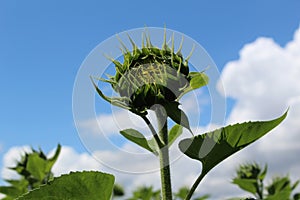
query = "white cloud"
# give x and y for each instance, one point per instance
(264, 81)
(120, 119)
(111, 124)
(70, 160)
(10, 159)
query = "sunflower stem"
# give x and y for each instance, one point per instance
(195, 185)
(166, 186)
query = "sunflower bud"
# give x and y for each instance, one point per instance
(150, 76)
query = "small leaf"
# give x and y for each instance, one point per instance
(284, 194)
(280, 188)
(295, 184)
(198, 80)
(174, 133)
(53, 159)
(11, 191)
(19, 184)
(75, 186)
(263, 174)
(249, 185)
(296, 196)
(177, 115)
(111, 81)
(136, 137)
(204, 197)
(225, 141)
(118, 190)
(37, 166)
(153, 145)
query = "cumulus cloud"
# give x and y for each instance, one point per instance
(264, 81)
(10, 159)
(70, 160)
(109, 124)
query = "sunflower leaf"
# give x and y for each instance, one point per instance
(198, 79)
(213, 147)
(136, 137)
(177, 115)
(76, 185)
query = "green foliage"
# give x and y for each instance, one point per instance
(150, 145)
(148, 193)
(227, 141)
(183, 192)
(118, 190)
(75, 186)
(145, 193)
(174, 133)
(280, 188)
(136, 137)
(176, 114)
(250, 178)
(34, 170)
(224, 142)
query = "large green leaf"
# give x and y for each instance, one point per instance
(213, 147)
(75, 186)
(136, 137)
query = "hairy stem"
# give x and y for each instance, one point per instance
(195, 185)
(165, 174)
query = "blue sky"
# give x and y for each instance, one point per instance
(43, 43)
